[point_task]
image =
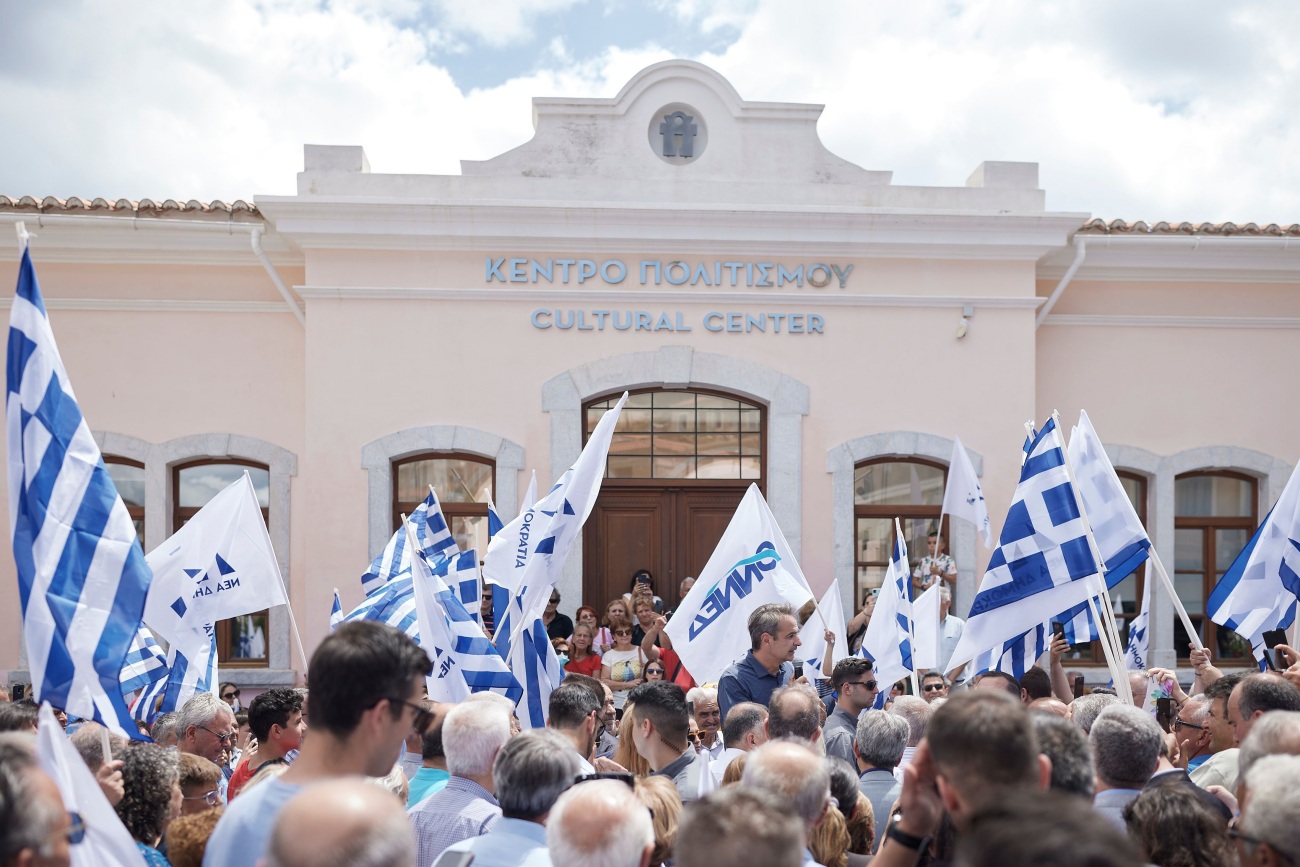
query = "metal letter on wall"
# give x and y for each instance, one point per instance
(675, 125)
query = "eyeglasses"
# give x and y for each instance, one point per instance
(423, 718)
(231, 695)
(225, 739)
(76, 829)
(934, 687)
(869, 684)
(654, 671)
(211, 798)
(1177, 724)
(606, 775)
(693, 737)
(622, 632)
(555, 600)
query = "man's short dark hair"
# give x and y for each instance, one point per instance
(571, 705)
(1037, 683)
(1012, 685)
(983, 741)
(1066, 745)
(664, 704)
(1064, 834)
(742, 718)
(1266, 691)
(1222, 688)
(931, 674)
(358, 665)
(793, 712)
(712, 826)
(847, 669)
(271, 708)
(594, 686)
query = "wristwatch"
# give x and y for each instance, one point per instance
(902, 838)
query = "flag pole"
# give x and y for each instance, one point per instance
(293, 623)
(1178, 603)
(911, 614)
(1106, 627)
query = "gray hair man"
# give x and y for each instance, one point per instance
(164, 732)
(1085, 709)
(744, 729)
(530, 773)
(206, 727)
(1275, 734)
(35, 829)
(795, 712)
(856, 688)
(916, 713)
(795, 774)
(878, 745)
(472, 735)
(708, 716)
(600, 824)
(711, 827)
(341, 823)
(773, 638)
(1067, 747)
(1126, 747)
(1269, 833)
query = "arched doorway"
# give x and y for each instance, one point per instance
(679, 464)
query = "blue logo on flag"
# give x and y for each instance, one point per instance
(740, 581)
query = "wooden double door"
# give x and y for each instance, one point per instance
(670, 531)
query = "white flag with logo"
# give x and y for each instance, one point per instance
(928, 652)
(507, 553)
(962, 495)
(219, 565)
(812, 651)
(751, 566)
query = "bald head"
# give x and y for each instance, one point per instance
(1054, 706)
(339, 823)
(600, 824)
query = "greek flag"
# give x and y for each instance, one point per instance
(192, 659)
(145, 708)
(507, 556)
(433, 536)
(1258, 593)
(393, 603)
(82, 578)
(1016, 655)
(1121, 539)
(145, 663)
(336, 611)
(888, 642)
(464, 660)
(1043, 562)
(537, 668)
(1135, 654)
(460, 573)
(494, 520)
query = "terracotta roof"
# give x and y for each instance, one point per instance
(143, 207)
(1120, 227)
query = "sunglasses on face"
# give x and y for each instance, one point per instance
(1177, 724)
(693, 737)
(555, 600)
(933, 687)
(654, 671)
(225, 739)
(622, 632)
(228, 696)
(869, 684)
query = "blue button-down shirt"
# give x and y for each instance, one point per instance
(510, 843)
(462, 809)
(748, 680)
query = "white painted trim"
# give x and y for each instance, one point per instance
(842, 461)
(377, 458)
(158, 305)
(1126, 321)
(786, 399)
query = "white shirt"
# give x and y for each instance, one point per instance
(949, 634)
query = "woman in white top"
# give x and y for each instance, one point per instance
(622, 666)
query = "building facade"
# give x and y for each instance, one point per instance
(780, 316)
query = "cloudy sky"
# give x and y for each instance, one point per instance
(1151, 110)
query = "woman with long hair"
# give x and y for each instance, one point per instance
(582, 658)
(1175, 829)
(626, 754)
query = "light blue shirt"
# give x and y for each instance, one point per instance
(510, 843)
(425, 782)
(244, 832)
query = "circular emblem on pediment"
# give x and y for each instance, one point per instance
(677, 134)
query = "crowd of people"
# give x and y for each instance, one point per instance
(762, 769)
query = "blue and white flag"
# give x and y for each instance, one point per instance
(192, 658)
(1135, 653)
(145, 708)
(1121, 539)
(751, 566)
(336, 611)
(1043, 564)
(888, 641)
(507, 556)
(107, 842)
(1259, 591)
(459, 572)
(218, 566)
(433, 536)
(494, 520)
(464, 660)
(534, 663)
(393, 603)
(82, 578)
(145, 663)
(962, 495)
(812, 637)
(1016, 655)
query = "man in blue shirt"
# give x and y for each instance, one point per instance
(774, 638)
(530, 772)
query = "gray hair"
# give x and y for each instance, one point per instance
(471, 735)
(1067, 746)
(1126, 746)
(599, 824)
(1085, 708)
(164, 727)
(697, 694)
(1196, 710)
(793, 712)
(710, 827)
(1276, 733)
(26, 820)
(742, 719)
(89, 742)
(793, 772)
(395, 783)
(201, 710)
(766, 620)
(532, 771)
(881, 738)
(1264, 692)
(1274, 804)
(945, 595)
(916, 713)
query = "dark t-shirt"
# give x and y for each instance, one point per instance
(561, 627)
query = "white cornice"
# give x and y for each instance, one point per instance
(1126, 321)
(1182, 258)
(158, 305)
(552, 295)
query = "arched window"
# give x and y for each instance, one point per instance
(128, 477)
(463, 483)
(1214, 516)
(241, 641)
(885, 489)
